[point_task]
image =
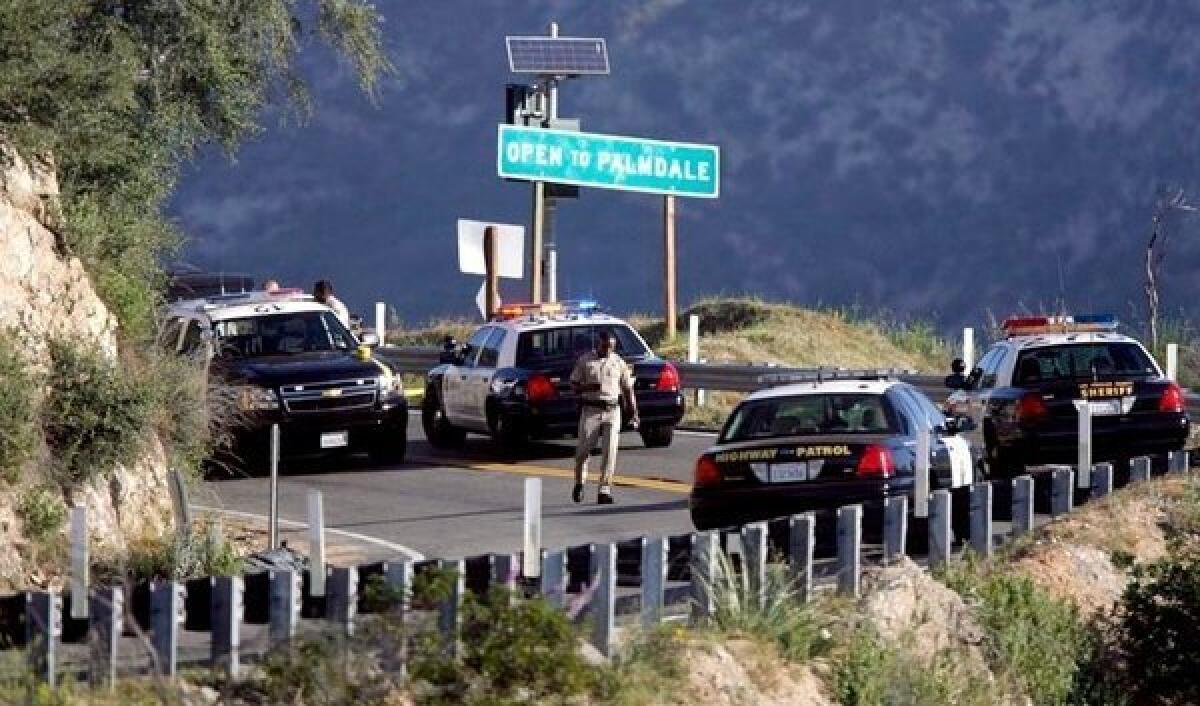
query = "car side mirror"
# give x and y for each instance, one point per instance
(370, 339)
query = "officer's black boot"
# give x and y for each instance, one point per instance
(577, 493)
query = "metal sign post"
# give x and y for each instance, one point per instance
(532, 541)
(669, 307)
(273, 530)
(491, 273)
(921, 485)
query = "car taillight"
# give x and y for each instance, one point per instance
(876, 462)
(668, 379)
(707, 473)
(539, 388)
(1172, 400)
(1031, 408)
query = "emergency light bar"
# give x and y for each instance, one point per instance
(282, 294)
(515, 311)
(1033, 325)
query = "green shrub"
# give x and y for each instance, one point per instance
(869, 670)
(176, 388)
(774, 615)
(95, 416)
(1157, 624)
(18, 413)
(176, 557)
(1034, 639)
(42, 513)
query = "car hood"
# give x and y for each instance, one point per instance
(299, 369)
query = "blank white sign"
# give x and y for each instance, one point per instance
(510, 248)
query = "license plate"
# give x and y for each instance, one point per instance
(795, 472)
(335, 439)
(1104, 408)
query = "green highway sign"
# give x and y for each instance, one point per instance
(608, 161)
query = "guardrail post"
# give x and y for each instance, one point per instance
(554, 577)
(505, 570)
(849, 536)
(802, 530)
(981, 519)
(1139, 469)
(399, 578)
(166, 615)
(1084, 461)
(79, 562)
(1022, 505)
(654, 579)
(604, 600)
(450, 611)
(921, 479)
(227, 605)
(1062, 490)
(705, 546)
(107, 619)
(284, 607)
(1102, 480)
(316, 544)
(754, 558)
(895, 527)
(43, 631)
(343, 598)
(1178, 462)
(532, 526)
(939, 527)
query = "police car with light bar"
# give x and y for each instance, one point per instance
(511, 378)
(284, 358)
(824, 444)
(1023, 394)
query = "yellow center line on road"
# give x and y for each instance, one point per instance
(532, 469)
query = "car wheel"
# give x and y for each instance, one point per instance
(658, 437)
(509, 433)
(438, 429)
(389, 448)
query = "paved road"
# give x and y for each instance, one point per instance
(449, 504)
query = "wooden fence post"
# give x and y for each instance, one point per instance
(43, 631)
(1062, 492)
(1102, 480)
(106, 622)
(227, 606)
(1139, 469)
(343, 598)
(802, 532)
(604, 599)
(166, 615)
(705, 546)
(284, 607)
(554, 577)
(1022, 505)
(450, 611)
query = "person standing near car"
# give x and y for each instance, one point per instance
(600, 378)
(323, 292)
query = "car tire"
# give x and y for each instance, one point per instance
(438, 429)
(389, 449)
(658, 437)
(509, 434)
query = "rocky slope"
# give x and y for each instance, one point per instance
(45, 295)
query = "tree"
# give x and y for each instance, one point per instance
(121, 92)
(1156, 253)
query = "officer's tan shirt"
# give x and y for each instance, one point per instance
(610, 372)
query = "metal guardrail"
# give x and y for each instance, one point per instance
(728, 377)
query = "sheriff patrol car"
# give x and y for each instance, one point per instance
(511, 378)
(288, 360)
(824, 444)
(1023, 395)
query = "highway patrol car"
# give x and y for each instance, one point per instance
(1022, 395)
(287, 359)
(823, 444)
(511, 378)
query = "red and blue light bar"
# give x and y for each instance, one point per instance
(577, 307)
(1084, 323)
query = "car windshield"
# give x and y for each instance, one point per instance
(282, 334)
(808, 414)
(565, 344)
(1083, 361)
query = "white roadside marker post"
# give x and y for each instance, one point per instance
(921, 482)
(968, 351)
(1173, 361)
(316, 543)
(381, 322)
(694, 350)
(532, 540)
(1084, 461)
(79, 563)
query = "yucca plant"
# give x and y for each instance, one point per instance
(773, 612)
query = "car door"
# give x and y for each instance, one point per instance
(479, 380)
(456, 380)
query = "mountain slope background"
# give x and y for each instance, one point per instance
(939, 161)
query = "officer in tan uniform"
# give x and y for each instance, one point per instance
(599, 378)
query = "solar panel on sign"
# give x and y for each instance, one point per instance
(557, 55)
